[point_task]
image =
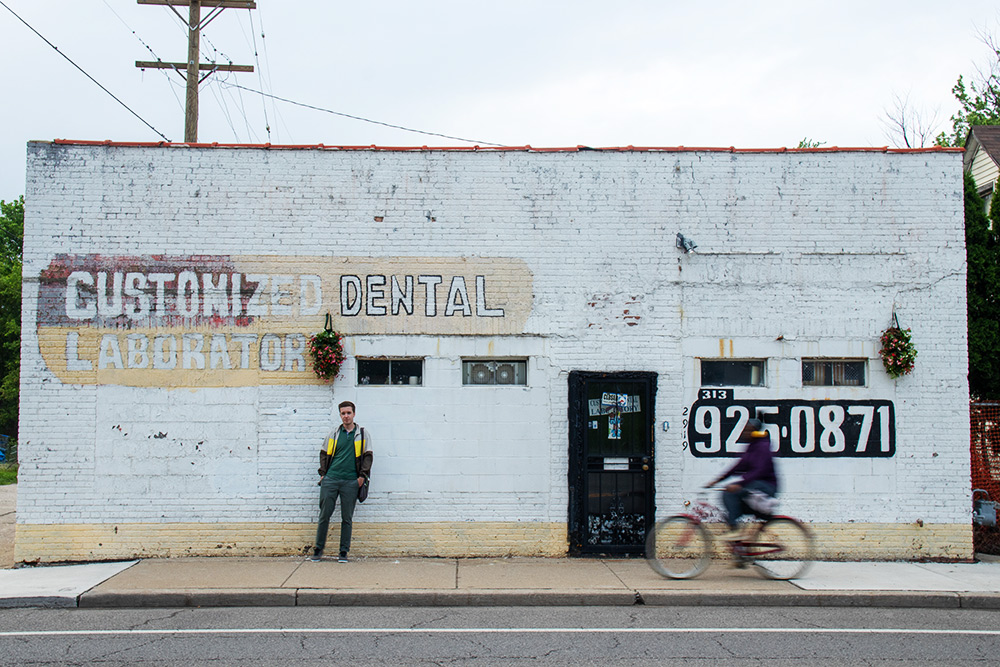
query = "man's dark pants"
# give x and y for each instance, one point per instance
(329, 490)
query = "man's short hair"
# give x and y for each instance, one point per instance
(346, 404)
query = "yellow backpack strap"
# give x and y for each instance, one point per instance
(331, 444)
(359, 448)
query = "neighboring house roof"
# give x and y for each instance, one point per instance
(982, 155)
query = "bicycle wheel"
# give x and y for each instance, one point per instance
(783, 549)
(679, 547)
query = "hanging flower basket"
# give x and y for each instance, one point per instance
(326, 349)
(898, 351)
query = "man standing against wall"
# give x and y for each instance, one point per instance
(345, 461)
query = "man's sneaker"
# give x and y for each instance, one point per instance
(343, 557)
(317, 556)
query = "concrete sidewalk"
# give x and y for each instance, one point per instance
(186, 582)
(202, 582)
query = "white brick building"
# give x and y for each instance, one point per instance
(168, 408)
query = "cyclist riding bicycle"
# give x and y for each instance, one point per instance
(757, 489)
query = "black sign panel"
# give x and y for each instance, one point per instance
(798, 428)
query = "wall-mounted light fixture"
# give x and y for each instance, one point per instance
(687, 245)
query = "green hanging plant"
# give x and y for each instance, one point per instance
(326, 349)
(898, 352)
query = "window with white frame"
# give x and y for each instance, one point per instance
(732, 372)
(494, 371)
(833, 372)
(391, 371)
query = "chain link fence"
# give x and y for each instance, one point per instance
(985, 446)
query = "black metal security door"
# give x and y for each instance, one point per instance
(610, 461)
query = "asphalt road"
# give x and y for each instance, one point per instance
(500, 635)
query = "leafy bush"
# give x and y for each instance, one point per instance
(8, 473)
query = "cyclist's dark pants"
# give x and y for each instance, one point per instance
(734, 502)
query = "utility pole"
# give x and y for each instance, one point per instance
(192, 67)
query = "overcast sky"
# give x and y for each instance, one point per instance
(541, 72)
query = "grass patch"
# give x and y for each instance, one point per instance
(8, 473)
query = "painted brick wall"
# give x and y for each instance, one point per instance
(800, 254)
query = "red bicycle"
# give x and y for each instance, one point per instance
(681, 546)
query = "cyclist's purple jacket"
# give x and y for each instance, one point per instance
(756, 463)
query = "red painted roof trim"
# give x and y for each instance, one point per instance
(525, 148)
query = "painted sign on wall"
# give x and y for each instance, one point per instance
(797, 428)
(157, 320)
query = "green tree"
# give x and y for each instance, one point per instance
(979, 104)
(978, 98)
(11, 244)
(982, 248)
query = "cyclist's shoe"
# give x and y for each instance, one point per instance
(733, 535)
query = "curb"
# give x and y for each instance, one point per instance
(467, 598)
(266, 597)
(291, 597)
(883, 599)
(39, 602)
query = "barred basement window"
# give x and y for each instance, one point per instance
(391, 371)
(833, 372)
(494, 371)
(732, 373)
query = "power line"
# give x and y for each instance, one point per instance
(218, 94)
(220, 99)
(251, 42)
(365, 120)
(260, 78)
(130, 29)
(243, 109)
(267, 73)
(242, 88)
(143, 42)
(82, 70)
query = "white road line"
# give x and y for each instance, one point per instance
(457, 631)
